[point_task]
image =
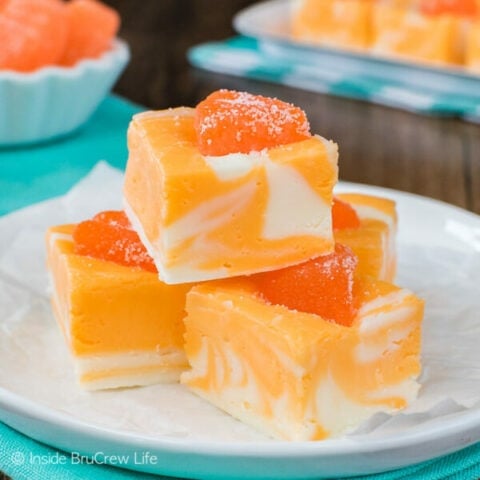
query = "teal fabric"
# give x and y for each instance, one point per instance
(38, 172)
(35, 173)
(24, 459)
(382, 83)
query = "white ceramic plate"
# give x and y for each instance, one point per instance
(269, 21)
(167, 430)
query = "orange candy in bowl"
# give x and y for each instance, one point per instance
(58, 59)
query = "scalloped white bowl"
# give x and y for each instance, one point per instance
(54, 101)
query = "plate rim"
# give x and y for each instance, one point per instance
(29, 409)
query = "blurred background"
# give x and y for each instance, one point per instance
(159, 33)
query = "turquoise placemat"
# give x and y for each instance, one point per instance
(416, 91)
(24, 459)
(36, 173)
(32, 174)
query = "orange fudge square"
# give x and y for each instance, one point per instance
(411, 35)
(206, 217)
(472, 55)
(339, 23)
(293, 375)
(374, 241)
(122, 325)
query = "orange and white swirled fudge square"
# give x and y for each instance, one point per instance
(235, 186)
(299, 375)
(428, 31)
(432, 31)
(337, 23)
(372, 236)
(123, 326)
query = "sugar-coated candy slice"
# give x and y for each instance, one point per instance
(323, 285)
(115, 218)
(109, 236)
(92, 28)
(466, 8)
(33, 34)
(373, 239)
(228, 121)
(343, 215)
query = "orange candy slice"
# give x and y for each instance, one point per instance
(109, 236)
(228, 121)
(467, 8)
(344, 215)
(323, 286)
(33, 33)
(93, 26)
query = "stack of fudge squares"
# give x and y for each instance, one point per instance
(433, 32)
(234, 270)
